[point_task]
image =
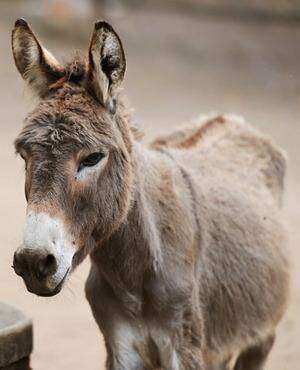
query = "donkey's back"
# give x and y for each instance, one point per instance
(227, 147)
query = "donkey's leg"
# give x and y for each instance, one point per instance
(122, 357)
(254, 358)
(191, 358)
(164, 349)
(121, 334)
(122, 341)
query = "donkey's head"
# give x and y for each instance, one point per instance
(76, 146)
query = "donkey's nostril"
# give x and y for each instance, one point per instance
(47, 266)
(17, 264)
(16, 261)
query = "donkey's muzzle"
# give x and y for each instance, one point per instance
(41, 263)
(36, 267)
(45, 259)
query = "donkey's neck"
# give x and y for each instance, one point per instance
(134, 248)
(157, 236)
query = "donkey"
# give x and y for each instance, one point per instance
(189, 268)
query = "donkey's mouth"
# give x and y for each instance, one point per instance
(47, 292)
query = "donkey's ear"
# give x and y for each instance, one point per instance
(107, 63)
(36, 65)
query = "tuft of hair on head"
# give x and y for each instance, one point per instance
(75, 72)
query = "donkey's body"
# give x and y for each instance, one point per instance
(198, 253)
(188, 266)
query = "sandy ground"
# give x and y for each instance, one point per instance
(178, 67)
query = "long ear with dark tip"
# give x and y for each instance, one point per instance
(107, 63)
(36, 65)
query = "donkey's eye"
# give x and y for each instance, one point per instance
(91, 160)
(23, 156)
(24, 159)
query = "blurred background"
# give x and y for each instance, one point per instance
(184, 57)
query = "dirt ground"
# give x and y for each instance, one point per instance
(178, 67)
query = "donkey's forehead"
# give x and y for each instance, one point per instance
(59, 136)
(66, 119)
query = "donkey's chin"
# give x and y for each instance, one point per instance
(44, 290)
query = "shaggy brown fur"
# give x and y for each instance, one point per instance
(188, 259)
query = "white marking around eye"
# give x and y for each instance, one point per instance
(87, 173)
